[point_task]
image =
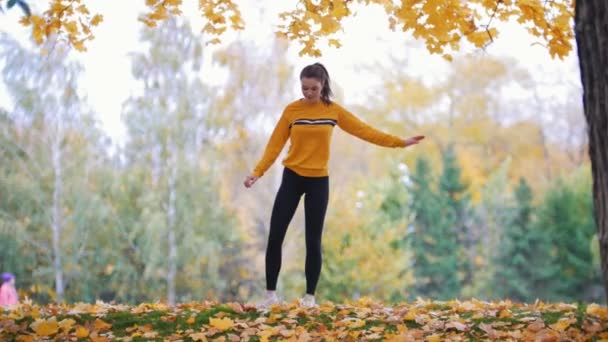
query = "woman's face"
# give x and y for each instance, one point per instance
(311, 89)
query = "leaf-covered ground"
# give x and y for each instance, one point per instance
(363, 320)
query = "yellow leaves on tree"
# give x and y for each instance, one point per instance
(160, 10)
(220, 15)
(441, 24)
(70, 21)
(310, 21)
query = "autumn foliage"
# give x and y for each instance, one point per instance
(362, 320)
(441, 24)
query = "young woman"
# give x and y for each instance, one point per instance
(308, 123)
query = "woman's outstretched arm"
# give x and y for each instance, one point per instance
(353, 125)
(274, 147)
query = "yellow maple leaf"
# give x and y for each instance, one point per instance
(71, 27)
(546, 335)
(35, 313)
(561, 325)
(98, 18)
(53, 26)
(222, 324)
(329, 25)
(237, 23)
(401, 328)
(25, 338)
(558, 49)
(356, 323)
(198, 337)
(310, 51)
(37, 20)
(334, 42)
(81, 332)
(159, 14)
(190, 320)
(79, 45)
(265, 335)
(57, 7)
(149, 23)
(505, 313)
(25, 21)
(67, 324)
(213, 41)
(410, 315)
(339, 9)
(434, 338)
(596, 310)
(96, 338)
(100, 325)
(82, 9)
(38, 35)
(45, 327)
(479, 38)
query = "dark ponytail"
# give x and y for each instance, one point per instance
(319, 72)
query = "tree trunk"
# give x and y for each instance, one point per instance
(57, 212)
(591, 31)
(171, 222)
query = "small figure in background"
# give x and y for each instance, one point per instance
(8, 293)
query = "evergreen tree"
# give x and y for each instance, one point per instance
(394, 205)
(568, 222)
(522, 261)
(456, 212)
(492, 214)
(433, 242)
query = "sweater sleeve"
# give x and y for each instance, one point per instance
(353, 125)
(275, 145)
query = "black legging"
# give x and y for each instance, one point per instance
(293, 186)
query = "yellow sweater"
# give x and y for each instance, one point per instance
(310, 126)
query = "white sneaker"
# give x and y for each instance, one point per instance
(271, 299)
(308, 301)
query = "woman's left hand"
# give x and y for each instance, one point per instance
(413, 140)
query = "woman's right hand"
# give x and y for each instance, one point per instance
(249, 180)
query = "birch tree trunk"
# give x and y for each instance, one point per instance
(171, 223)
(56, 223)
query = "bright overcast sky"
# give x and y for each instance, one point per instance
(366, 39)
